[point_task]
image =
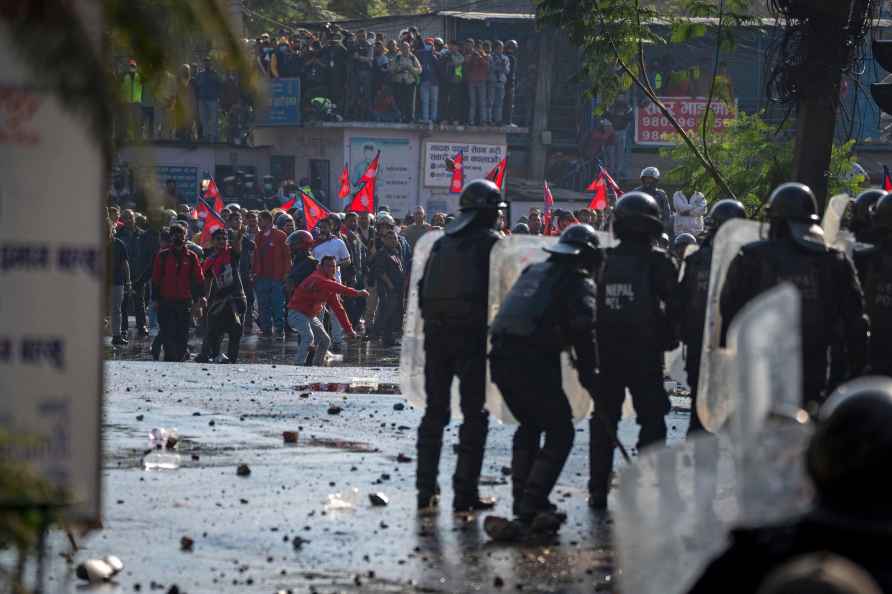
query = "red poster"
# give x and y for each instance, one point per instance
(652, 128)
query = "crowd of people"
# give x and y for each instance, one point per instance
(263, 273)
(364, 76)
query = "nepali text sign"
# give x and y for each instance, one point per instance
(397, 185)
(284, 108)
(185, 178)
(478, 160)
(52, 263)
(652, 128)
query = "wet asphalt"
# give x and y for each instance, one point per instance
(271, 531)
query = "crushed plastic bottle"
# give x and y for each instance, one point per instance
(163, 456)
(343, 502)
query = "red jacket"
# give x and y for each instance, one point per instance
(177, 278)
(317, 290)
(477, 68)
(272, 258)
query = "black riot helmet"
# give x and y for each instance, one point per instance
(793, 206)
(637, 212)
(578, 240)
(862, 211)
(681, 243)
(723, 211)
(852, 448)
(479, 203)
(882, 215)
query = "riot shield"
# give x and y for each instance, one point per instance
(832, 221)
(412, 351)
(508, 260)
(676, 507)
(717, 364)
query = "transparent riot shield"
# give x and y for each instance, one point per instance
(714, 392)
(767, 337)
(675, 508)
(507, 261)
(675, 360)
(412, 351)
(832, 221)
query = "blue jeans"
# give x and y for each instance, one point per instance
(430, 98)
(207, 113)
(495, 100)
(270, 304)
(309, 331)
(476, 103)
(337, 331)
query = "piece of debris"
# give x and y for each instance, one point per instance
(399, 406)
(378, 499)
(498, 582)
(289, 436)
(243, 470)
(402, 458)
(186, 544)
(506, 471)
(140, 417)
(99, 570)
(334, 409)
(297, 542)
(305, 395)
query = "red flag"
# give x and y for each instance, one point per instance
(313, 211)
(364, 200)
(887, 179)
(345, 183)
(549, 199)
(599, 187)
(458, 174)
(546, 223)
(214, 193)
(371, 172)
(289, 204)
(611, 183)
(497, 174)
(212, 221)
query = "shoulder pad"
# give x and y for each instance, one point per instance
(756, 247)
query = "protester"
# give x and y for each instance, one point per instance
(225, 296)
(390, 276)
(177, 283)
(306, 303)
(140, 264)
(414, 231)
(120, 283)
(271, 263)
(328, 243)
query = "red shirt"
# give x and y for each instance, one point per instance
(272, 258)
(318, 290)
(177, 277)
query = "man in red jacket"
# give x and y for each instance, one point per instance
(317, 290)
(177, 282)
(271, 264)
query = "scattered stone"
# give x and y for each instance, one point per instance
(334, 409)
(399, 406)
(506, 471)
(196, 414)
(196, 457)
(289, 436)
(385, 477)
(297, 542)
(243, 470)
(211, 423)
(140, 417)
(174, 589)
(402, 458)
(243, 501)
(305, 395)
(186, 544)
(498, 582)
(378, 499)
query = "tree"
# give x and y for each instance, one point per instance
(612, 35)
(754, 158)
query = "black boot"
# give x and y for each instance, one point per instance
(465, 483)
(426, 473)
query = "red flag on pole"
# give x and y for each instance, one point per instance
(599, 187)
(497, 174)
(313, 211)
(549, 198)
(611, 183)
(213, 193)
(344, 180)
(887, 179)
(371, 172)
(364, 200)
(458, 174)
(547, 216)
(289, 204)
(212, 222)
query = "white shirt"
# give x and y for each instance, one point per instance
(336, 247)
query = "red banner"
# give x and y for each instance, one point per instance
(652, 128)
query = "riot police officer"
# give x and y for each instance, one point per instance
(635, 287)
(550, 309)
(832, 302)
(847, 460)
(650, 177)
(680, 245)
(875, 271)
(689, 306)
(861, 224)
(453, 298)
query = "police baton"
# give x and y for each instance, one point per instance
(611, 433)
